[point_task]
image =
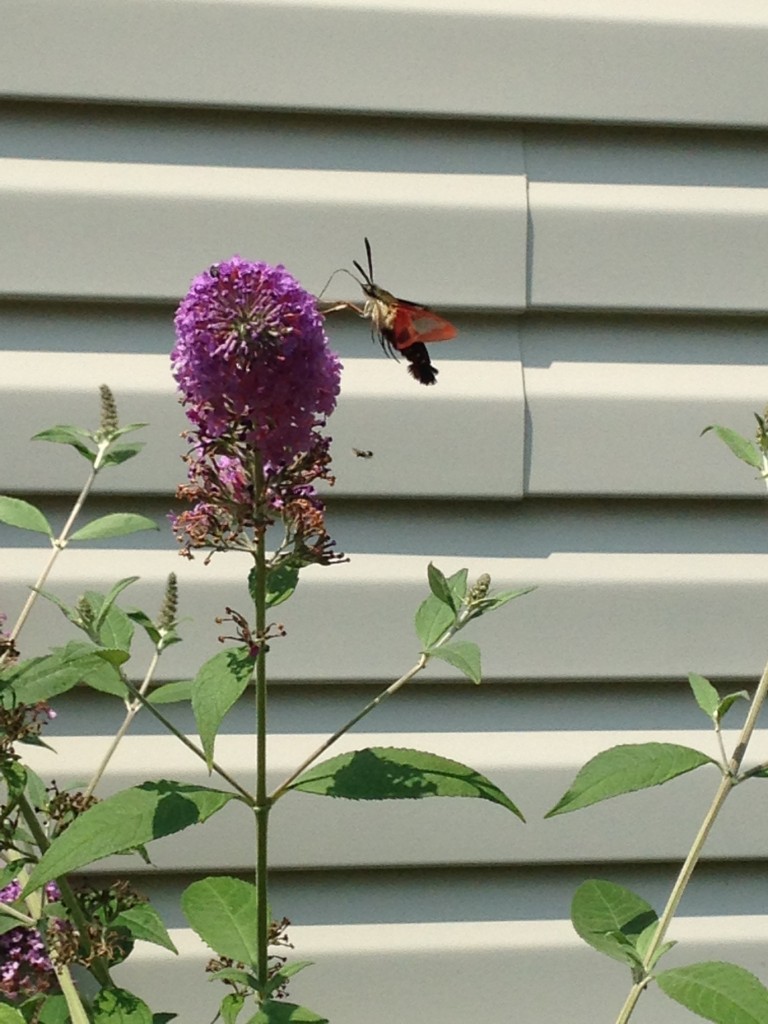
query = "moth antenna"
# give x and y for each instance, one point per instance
(339, 270)
(370, 258)
(368, 280)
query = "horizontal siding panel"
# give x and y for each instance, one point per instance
(648, 247)
(140, 231)
(504, 58)
(533, 768)
(490, 429)
(428, 420)
(591, 617)
(446, 971)
(634, 429)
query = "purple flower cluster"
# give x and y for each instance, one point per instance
(25, 968)
(258, 381)
(251, 357)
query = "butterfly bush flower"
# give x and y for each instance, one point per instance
(251, 354)
(25, 968)
(258, 382)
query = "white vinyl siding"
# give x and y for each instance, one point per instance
(581, 188)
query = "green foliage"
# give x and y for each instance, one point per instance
(709, 700)
(21, 514)
(285, 973)
(625, 769)
(144, 922)
(612, 919)
(720, 992)
(222, 910)
(273, 1012)
(171, 693)
(441, 589)
(117, 1006)
(281, 583)
(216, 687)
(124, 821)
(433, 619)
(55, 1011)
(706, 695)
(117, 524)
(395, 773)
(80, 440)
(10, 1016)
(740, 446)
(39, 679)
(463, 655)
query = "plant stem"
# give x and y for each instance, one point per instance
(132, 709)
(461, 620)
(728, 781)
(197, 751)
(263, 803)
(58, 545)
(392, 688)
(98, 966)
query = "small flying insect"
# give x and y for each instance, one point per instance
(399, 325)
(361, 454)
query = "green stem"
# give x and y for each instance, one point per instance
(58, 546)
(263, 803)
(392, 688)
(132, 709)
(189, 744)
(98, 966)
(728, 781)
(461, 620)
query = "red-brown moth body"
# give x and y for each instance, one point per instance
(401, 325)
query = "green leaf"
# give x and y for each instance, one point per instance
(120, 453)
(625, 769)
(433, 618)
(124, 821)
(144, 922)
(163, 1018)
(728, 701)
(170, 693)
(285, 973)
(740, 446)
(16, 512)
(273, 1012)
(42, 678)
(105, 604)
(68, 435)
(215, 689)
(231, 1005)
(719, 992)
(439, 586)
(55, 1011)
(603, 913)
(489, 604)
(69, 611)
(281, 583)
(129, 429)
(222, 911)
(463, 655)
(116, 630)
(117, 1006)
(706, 695)
(117, 524)
(396, 773)
(10, 1016)
(142, 619)
(458, 584)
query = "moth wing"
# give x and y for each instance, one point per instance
(412, 323)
